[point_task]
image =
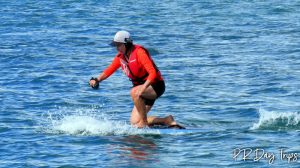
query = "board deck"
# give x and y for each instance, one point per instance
(167, 130)
(176, 131)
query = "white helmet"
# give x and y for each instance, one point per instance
(122, 37)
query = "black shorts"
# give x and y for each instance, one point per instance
(159, 88)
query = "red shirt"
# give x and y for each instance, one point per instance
(143, 59)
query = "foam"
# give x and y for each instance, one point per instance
(272, 120)
(91, 122)
(87, 125)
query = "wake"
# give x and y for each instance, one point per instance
(91, 122)
(271, 120)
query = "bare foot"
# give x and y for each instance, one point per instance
(171, 123)
(170, 120)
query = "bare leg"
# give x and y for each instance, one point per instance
(140, 110)
(151, 120)
(168, 121)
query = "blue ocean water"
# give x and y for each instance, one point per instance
(232, 70)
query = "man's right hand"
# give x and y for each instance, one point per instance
(94, 83)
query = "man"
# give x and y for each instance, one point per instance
(148, 84)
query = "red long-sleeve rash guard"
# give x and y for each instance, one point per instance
(142, 58)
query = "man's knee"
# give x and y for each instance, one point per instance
(135, 120)
(133, 93)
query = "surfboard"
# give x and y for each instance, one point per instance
(176, 131)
